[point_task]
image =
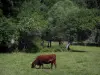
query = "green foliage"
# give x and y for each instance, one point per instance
(87, 3)
(58, 14)
(31, 23)
(7, 29)
(72, 21)
(1, 14)
(30, 18)
(53, 49)
(49, 20)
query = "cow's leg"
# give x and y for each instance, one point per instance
(55, 64)
(51, 65)
(35, 65)
(42, 66)
(39, 66)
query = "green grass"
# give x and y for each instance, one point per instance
(82, 60)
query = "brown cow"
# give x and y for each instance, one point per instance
(44, 59)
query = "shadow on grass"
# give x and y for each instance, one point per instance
(44, 68)
(77, 51)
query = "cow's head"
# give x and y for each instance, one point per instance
(32, 65)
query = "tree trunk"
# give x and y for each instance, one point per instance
(42, 43)
(68, 46)
(49, 43)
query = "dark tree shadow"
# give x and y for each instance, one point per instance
(77, 51)
(4, 47)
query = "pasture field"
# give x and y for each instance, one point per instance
(82, 60)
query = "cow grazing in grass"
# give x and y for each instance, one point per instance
(44, 59)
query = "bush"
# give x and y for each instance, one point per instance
(53, 49)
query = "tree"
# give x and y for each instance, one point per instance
(7, 31)
(75, 23)
(88, 3)
(31, 24)
(59, 14)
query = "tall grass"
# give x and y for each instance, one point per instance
(81, 60)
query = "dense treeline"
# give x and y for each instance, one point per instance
(27, 21)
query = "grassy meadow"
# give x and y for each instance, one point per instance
(82, 60)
